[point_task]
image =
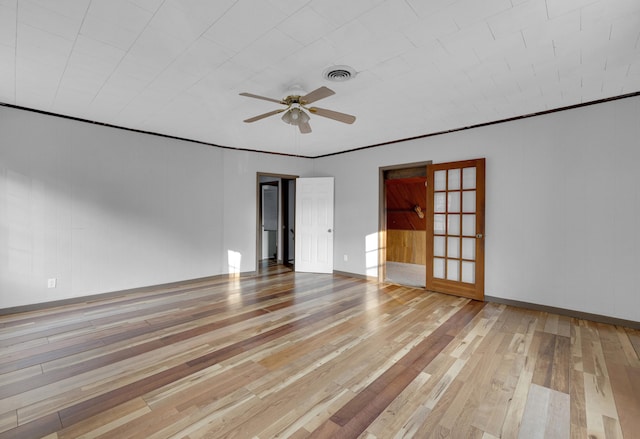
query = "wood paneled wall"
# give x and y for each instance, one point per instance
(406, 246)
(402, 197)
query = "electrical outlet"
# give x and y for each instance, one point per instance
(51, 283)
(346, 258)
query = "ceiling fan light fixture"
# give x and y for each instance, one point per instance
(303, 117)
(287, 118)
(295, 116)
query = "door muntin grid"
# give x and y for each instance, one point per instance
(454, 224)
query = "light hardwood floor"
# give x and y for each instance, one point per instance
(313, 356)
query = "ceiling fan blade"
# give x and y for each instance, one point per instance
(317, 94)
(251, 95)
(305, 128)
(340, 117)
(262, 116)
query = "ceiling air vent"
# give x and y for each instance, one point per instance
(339, 73)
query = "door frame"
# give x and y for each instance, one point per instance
(287, 211)
(264, 186)
(258, 255)
(382, 212)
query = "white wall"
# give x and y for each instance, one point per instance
(102, 209)
(562, 209)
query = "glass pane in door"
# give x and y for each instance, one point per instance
(468, 272)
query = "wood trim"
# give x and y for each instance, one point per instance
(405, 173)
(407, 180)
(480, 125)
(258, 229)
(382, 225)
(375, 145)
(382, 211)
(402, 166)
(286, 225)
(599, 318)
(270, 174)
(481, 228)
(150, 133)
(112, 294)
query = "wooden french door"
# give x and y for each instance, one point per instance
(455, 228)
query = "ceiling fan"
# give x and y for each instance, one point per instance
(295, 114)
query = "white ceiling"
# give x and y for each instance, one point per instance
(175, 67)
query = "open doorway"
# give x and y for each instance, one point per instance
(453, 239)
(275, 225)
(402, 219)
(269, 191)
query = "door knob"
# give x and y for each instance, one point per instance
(479, 236)
(329, 230)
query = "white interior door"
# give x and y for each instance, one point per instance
(314, 225)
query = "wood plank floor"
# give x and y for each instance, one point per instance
(296, 355)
